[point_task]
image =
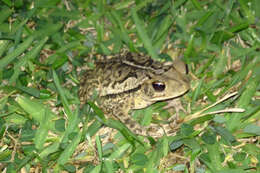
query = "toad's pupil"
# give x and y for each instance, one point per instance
(158, 86)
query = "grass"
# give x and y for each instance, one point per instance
(43, 45)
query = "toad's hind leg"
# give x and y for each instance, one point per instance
(118, 107)
(153, 130)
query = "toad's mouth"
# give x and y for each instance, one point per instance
(164, 98)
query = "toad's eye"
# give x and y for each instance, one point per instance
(158, 86)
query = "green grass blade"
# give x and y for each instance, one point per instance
(49, 149)
(5, 13)
(62, 95)
(19, 50)
(196, 4)
(73, 123)
(25, 161)
(97, 169)
(234, 121)
(3, 46)
(214, 155)
(142, 4)
(124, 34)
(108, 166)
(29, 56)
(247, 12)
(99, 148)
(121, 150)
(143, 35)
(51, 59)
(162, 32)
(42, 131)
(67, 153)
(34, 109)
(220, 67)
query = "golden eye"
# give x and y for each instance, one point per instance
(158, 86)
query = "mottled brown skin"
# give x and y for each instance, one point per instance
(125, 82)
